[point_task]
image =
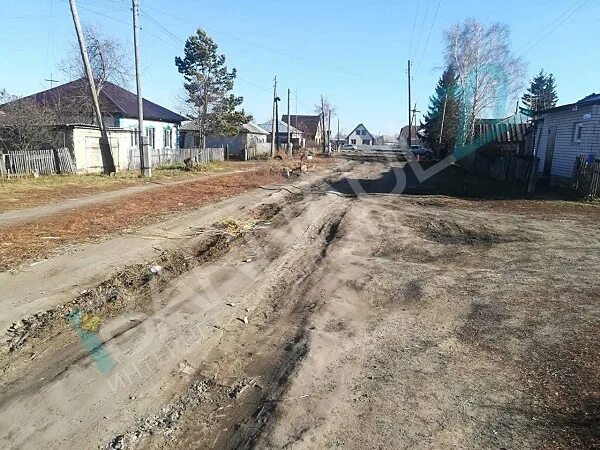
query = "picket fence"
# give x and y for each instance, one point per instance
(19, 163)
(586, 177)
(167, 156)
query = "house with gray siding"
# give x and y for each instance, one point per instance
(565, 132)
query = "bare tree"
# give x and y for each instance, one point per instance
(24, 123)
(489, 74)
(109, 59)
(327, 107)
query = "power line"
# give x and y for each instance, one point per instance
(412, 35)
(437, 9)
(539, 38)
(423, 23)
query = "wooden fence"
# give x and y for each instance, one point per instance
(520, 170)
(168, 156)
(20, 163)
(586, 177)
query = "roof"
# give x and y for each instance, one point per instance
(114, 100)
(361, 125)
(282, 127)
(404, 131)
(591, 99)
(386, 138)
(309, 125)
(254, 129)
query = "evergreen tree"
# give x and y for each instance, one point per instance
(446, 95)
(208, 84)
(541, 94)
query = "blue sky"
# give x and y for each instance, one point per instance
(354, 52)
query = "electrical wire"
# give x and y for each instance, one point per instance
(412, 35)
(437, 9)
(535, 41)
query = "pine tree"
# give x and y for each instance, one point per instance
(541, 94)
(446, 94)
(208, 84)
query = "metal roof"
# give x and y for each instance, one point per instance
(282, 127)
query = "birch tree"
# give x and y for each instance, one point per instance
(490, 76)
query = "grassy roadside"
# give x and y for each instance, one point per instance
(30, 192)
(37, 239)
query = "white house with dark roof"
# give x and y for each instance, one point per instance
(360, 136)
(77, 131)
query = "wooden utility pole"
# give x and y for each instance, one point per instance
(443, 118)
(107, 159)
(329, 133)
(409, 111)
(145, 163)
(289, 126)
(273, 135)
(323, 121)
(337, 145)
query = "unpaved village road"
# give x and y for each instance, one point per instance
(300, 316)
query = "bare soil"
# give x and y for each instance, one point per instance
(314, 319)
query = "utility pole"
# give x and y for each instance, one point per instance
(323, 121)
(296, 95)
(273, 135)
(289, 121)
(337, 145)
(329, 133)
(145, 163)
(409, 112)
(51, 81)
(443, 118)
(107, 159)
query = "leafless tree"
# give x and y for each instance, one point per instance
(326, 107)
(109, 59)
(489, 74)
(24, 123)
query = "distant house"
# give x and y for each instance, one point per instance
(415, 137)
(311, 127)
(385, 139)
(360, 136)
(249, 135)
(296, 135)
(565, 132)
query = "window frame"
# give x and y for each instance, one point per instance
(578, 130)
(168, 131)
(151, 141)
(134, 137)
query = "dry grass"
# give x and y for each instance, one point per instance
(25, 193)
(35, 240)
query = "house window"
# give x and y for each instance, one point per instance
(196, 140)
(134, 137)
(578, 132)
(167, 138)
(150, 134)
(353, 141)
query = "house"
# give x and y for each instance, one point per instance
(385, 139)
(249, 135)
(119, 109)
(311, 127)
(282, 137)
(402, 139)
(565, 132)
(360, 136)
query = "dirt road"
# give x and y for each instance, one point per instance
(302, 316)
